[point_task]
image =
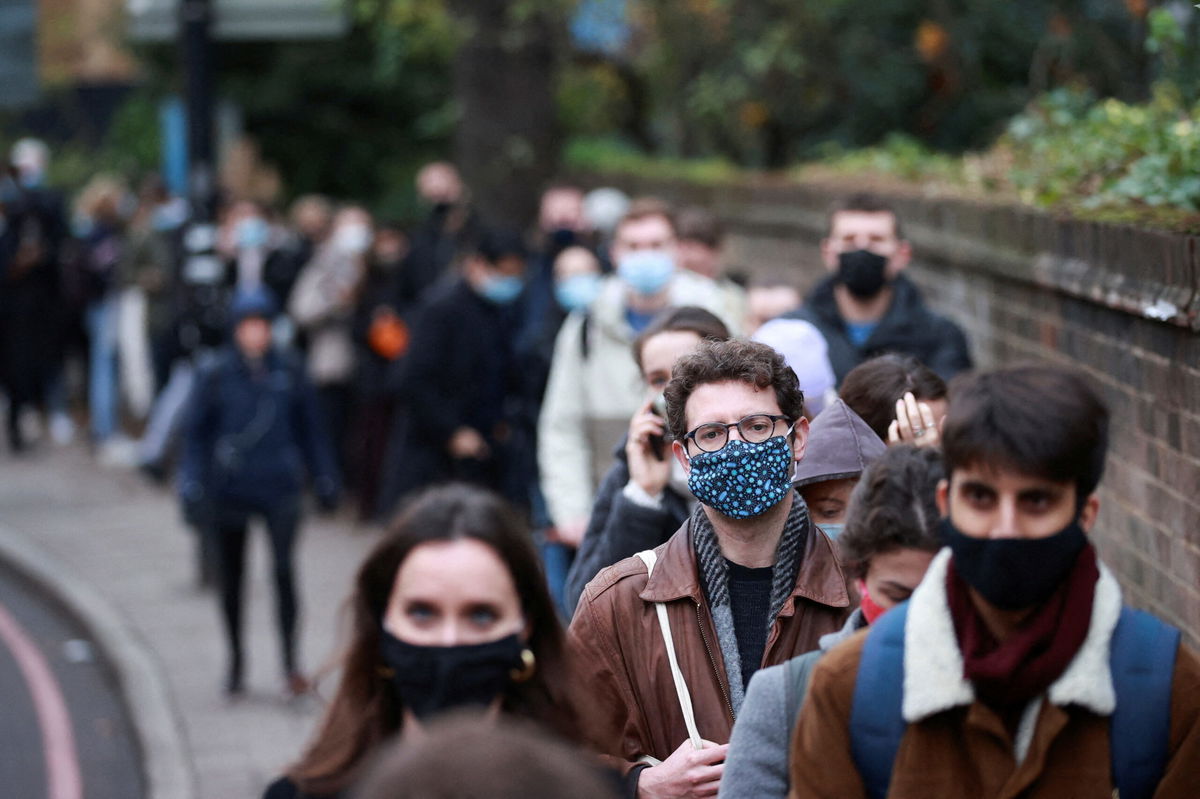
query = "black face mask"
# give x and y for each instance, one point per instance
(862, 273)
(432, 679)
(561, 238)
(1015, 573)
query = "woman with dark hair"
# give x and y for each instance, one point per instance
(643, 498)
(900, 398)
(890, 537)
(450, 610)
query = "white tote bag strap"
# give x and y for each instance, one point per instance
(685, 697)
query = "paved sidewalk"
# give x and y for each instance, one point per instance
(122, 538)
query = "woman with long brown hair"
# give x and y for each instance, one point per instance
(450, 610)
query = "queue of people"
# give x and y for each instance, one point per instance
(638, 553)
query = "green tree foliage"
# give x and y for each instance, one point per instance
(353, 117)
(766, 82)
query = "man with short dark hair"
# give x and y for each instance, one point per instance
(1014, 669)
(867, 306)
(747, 581)
(459, 376)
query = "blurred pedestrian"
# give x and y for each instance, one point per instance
(254, 432)
(560, 226)
(867, 306)
(767, 300)
(702, 250)
(1015, 661)
(100, 226)
(891, 536)
(34, 319)
(593, 387)
(576, 283)
(323, 305)
(381, 339)
(506, 760)
(153, 246)
(309, 221)
(451, 227)
(448, 612)
(644, 497)
(460, 377)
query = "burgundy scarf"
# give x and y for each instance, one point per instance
(1008, 675)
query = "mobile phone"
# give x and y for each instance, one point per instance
(658, 444)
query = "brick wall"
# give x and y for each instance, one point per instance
(1120, 303)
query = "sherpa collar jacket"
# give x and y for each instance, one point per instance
(957, 746)
(631, 709)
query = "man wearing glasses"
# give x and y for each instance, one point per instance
(747, 582)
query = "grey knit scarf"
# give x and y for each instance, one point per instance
(714, 576)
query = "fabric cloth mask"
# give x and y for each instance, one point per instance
(577, 291)
(741, 479)
(432, 679)
(1014, 573)
(252, 232)
(352, 239)
(647, 272)
(862, 272)
(501, 289)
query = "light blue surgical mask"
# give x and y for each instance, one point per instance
(501, 289)
(647, 272)
(833, 530)
(577, 291)
(252, 232)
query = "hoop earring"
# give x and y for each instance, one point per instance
(528, 667)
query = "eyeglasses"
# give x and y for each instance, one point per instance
(754, 429)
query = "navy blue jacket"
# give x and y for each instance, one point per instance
(252, 436)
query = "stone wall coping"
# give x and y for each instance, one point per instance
(1148, 273)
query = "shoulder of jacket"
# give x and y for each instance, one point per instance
(617, 582)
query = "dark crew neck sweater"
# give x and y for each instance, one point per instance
(750, 602)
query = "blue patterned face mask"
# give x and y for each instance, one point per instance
(742, 480)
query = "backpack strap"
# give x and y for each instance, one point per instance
(681, 690)
(585, 342)
(797, 672)
(876, 715)
(1142, 661)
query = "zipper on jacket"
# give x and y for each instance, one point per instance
(713, 661)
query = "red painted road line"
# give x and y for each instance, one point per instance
(58, 736)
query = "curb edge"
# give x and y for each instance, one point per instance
(166, 767)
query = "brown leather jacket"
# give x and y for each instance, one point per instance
(630, 708)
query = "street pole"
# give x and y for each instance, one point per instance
(195, 45)
(203, 271)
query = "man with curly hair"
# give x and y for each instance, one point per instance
(668, 639)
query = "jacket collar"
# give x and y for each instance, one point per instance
(933, 663)
(677, 575)
(907, 306)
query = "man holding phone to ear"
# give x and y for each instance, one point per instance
(643, 497)
(667, 641)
